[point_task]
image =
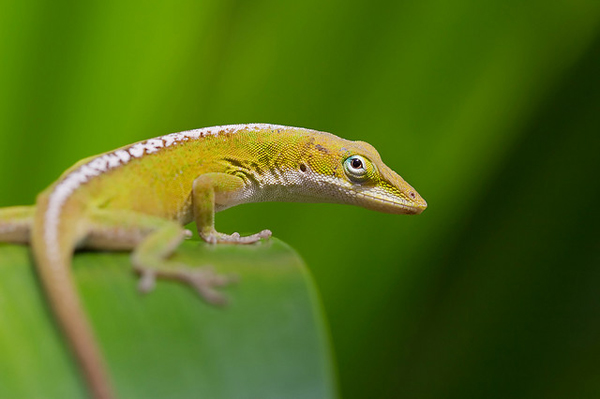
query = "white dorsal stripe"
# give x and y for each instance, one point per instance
(103, 163)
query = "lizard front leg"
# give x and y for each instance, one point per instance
(15, 224)
(209, 190)
(152, 241)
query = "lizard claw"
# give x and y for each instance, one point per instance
(147, 281)
(265, 234)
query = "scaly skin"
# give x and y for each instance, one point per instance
(138, 198)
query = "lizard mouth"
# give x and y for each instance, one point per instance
(391, 205)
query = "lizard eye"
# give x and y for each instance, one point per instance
(356, 168)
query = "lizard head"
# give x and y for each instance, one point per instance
(356, 175)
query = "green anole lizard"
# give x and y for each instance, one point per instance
(140, 196)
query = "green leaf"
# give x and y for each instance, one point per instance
(269, 342)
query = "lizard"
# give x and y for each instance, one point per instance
(139, 197)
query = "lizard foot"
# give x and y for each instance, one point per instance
(204, 280)
(235, 238)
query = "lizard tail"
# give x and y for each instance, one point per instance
(55, 235)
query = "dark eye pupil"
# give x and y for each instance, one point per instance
(357, 163)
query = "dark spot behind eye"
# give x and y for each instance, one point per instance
(357, 163)
(303, 167)
(321, 148)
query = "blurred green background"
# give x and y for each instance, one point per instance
(491, 110)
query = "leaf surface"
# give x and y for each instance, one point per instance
(268, 342)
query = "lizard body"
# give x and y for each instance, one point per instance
(139, 197)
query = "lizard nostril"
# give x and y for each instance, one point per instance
(412, 195)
